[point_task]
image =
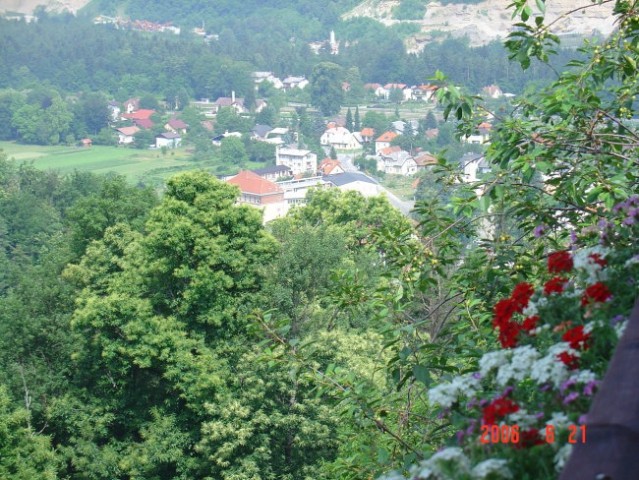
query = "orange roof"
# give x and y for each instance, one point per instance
(485, 125)
(129, 131)
(425, 159)
(250, 182)
(399, 86)
(327, 165)
(390, 150)
(139, 115)
(386, 137)
(367, 132)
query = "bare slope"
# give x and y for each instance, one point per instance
(488, 20)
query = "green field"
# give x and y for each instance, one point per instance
(150, 167)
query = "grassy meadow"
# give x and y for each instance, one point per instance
(151, 167)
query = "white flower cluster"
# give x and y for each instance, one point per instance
(550, 368)
(583, 376)
(451, 463)
(446, 394)
(620, 328)
(521, 362)
(522, 418)
(561, 457)
(491, 360)
(533, 307)
(559, 420)
(582, 260)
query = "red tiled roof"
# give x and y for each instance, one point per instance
(390, 86)
(177, 123)
(386, 137)
(129, 131)
(390, 150)
(250, 182)
(327, 165)
(371, 86)
(425, 159)
(139, 115)
(367, 132)
(144, 123)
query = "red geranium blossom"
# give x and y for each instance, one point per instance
(560, 262)
(508, 333)
(555, 285)
(529, 438)
(498, 409)
(597, 292)
(504, 310)
(530, 323)
(521, 295)
(570, 360)
(577, 338)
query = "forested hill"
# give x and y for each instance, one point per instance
(198, 12)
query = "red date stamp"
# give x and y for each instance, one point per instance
(511, 434)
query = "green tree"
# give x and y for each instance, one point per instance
(233, 152)
(357, 124)
(326, 87)
(349, 120)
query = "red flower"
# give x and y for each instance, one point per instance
(530, 323)
(598, 259)
(508, 334)
(529, 438)
(504, 310)
(570, 360)
(521, 295)
(597, 292)
(555, 285)
(498, 409)
(559, 262)
(577, 338)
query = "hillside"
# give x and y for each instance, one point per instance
(28, 6)
(485, 21)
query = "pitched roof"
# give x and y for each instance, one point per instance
(250, 182)
(425, 159)
(390, 150)
(328, 165)
(169, 135)
(368, 132)
(177, 123)
(128, 131)
(145, 123)
(390, 86)
(386, 137)
(228, 102)
(261, 130)
(372, 86)
(142, 114)
(345, 178)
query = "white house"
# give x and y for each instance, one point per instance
(126, 135)
(295, 82)
(396, 161)
(259, 77)
(168, 139)
(340, 139)
(384, 141)
(298, 160)
(473, 165)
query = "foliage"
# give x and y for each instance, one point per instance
(326, 87)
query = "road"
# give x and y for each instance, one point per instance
(403, 206)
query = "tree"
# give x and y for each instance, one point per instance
(349, 120)
(326, 87)
(357, 124)
(232, 151)
(149, 102)
(333, 153)
(93, 113)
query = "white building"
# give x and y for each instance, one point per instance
(354, 181)
(340, 139)
(473, 165)
(298, 160)
(395, 161)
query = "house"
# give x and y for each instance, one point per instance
(407, 92)
(236, 104)
(168, 139)
(481, 136)
(143, 123)
(424, 92)
(492, 91)
(176, 125)
(260, 131)
(86, 142)
(126, 135)
(354, 181)
(384, 141)
(339, 138)
(295, 82)
(295, 190)
(114, 110)
(395, 161)
(261, 193)
(259, 77)
(217, 140)
(402, 128)
(367, 134)
(473, 165)
(143, 114)
(260, 104)
(298, 160)
(424, 160)
(131, 105)
(328, 166)
(273, 172)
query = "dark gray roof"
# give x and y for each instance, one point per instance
(273, 169)
(339, 179)
(261, 130)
